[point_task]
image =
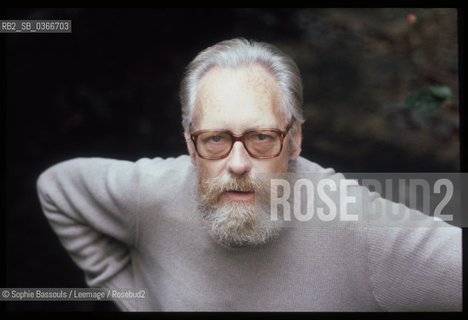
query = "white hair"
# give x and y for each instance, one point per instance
(237, 224)
(240, 52)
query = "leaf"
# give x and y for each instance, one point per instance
(441, 91)
(454, 66)
(422, 101)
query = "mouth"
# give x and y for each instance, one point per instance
(236, 195)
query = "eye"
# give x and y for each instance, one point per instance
(216, 138)
(261, 136)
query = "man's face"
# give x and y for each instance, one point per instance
(238, 100)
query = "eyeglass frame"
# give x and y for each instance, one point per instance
(241, 137)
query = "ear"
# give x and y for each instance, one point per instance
(190, 147)
(296, 142)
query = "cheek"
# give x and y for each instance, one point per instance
(209, 168)
(277, 165)
(282, 164)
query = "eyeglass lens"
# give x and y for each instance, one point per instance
(258, 143)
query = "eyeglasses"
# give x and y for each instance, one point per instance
(261, 144)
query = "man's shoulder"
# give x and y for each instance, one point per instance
(158, 163)
(174, 167)
(166, 171)
(303, 165)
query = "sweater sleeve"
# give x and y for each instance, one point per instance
(415, 267)
(92, 205)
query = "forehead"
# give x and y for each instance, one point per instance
(237, 99)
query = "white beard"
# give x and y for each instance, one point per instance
(237, 223)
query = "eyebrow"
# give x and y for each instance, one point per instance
(253, 128)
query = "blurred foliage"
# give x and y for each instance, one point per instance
(363, 70)
(427, 100)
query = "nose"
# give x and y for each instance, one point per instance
(239, 161)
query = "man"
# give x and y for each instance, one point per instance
(193, 230)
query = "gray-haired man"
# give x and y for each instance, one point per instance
(190, 231)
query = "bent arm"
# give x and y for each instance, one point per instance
(92, 205)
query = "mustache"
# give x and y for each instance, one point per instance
(212, 188)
